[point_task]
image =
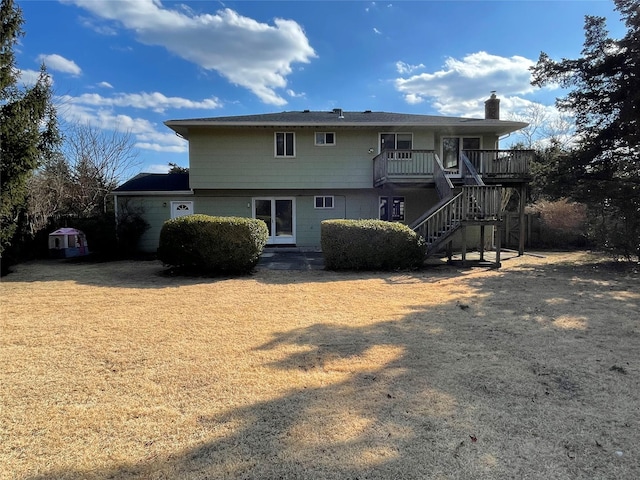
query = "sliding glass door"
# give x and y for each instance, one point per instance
(279, 215)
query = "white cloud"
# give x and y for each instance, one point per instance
(60, 64)
(376, 31)
(154, 101)
(405, 68)
(256, 56)
(294, 94)
(157, 168)
(29, 77)
(105, 85)
(145, 132)
(462, 85)
(413, 99)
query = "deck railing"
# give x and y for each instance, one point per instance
(508, 163)
(421, 165)
(399, 164)
(482, 202)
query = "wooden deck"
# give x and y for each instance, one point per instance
(419, 166)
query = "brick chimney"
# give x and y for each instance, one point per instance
(492, 107)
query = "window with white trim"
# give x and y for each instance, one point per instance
(285, 144)
(396, 141)
(324, 139)
(392, 209)
(324, 202)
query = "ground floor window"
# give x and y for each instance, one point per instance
(392, 209)
(323, 201)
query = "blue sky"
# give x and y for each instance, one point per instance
(130, 65)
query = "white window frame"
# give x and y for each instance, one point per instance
(324, 142)
(324, 202)
(395, 140)
(274, 238)
(275, 144)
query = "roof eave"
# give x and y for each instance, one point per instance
(181, 127)
(151, 192)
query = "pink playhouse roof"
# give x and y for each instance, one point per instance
(67, 231)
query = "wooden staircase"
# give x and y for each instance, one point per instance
(474, 203)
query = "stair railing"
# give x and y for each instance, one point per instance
(441, 221)
(474, 202)
(469, 172)
(444, 187)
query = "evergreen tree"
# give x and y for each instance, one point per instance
(28, 129)
(604, 96)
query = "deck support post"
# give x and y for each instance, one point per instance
(498, 244)
(464, 245)
(482, 243)
(522, 233)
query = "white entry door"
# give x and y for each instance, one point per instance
(279, 213)
(180, 209)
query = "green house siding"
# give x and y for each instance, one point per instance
(245, 159)
(353, 204)
(155, 210)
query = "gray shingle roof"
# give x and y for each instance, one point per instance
(156, 182)
(338, 118)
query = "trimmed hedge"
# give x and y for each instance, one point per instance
(207, 244)
(370, 245)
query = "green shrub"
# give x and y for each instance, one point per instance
(207, 244)
(370, 245)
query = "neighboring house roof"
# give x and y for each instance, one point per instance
(340, 118)
(156, 182)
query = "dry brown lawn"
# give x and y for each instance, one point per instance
(117, 371)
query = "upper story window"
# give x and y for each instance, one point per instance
(325, 138)
(396, 141)
(285, 144)
(452, 146)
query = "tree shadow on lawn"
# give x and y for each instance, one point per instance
(143, 274)
(528, 380)
(151, 274)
